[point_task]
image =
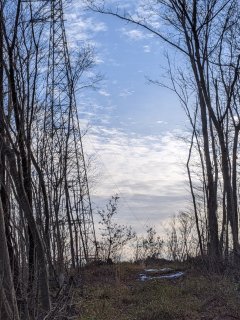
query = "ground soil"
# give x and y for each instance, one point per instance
(116, 293)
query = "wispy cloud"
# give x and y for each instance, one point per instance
(146, 171)
(135, 34)
(80, 26)
(104, 93)
(147, 48)
(126, 93)
(162, 122)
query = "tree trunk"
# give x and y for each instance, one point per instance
(7, 293)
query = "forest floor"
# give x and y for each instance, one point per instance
(117, 292)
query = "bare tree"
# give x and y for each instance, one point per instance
(206, 34)
(113, 235)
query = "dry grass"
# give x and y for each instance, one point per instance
(113, 292)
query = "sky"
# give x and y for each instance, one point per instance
(134, 128)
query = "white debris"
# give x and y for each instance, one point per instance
(175, 275)
(151, 270)
(143, 277)
(159, 270)
(172, 275)
(166, 269)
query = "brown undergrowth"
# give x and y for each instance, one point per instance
(115, 292)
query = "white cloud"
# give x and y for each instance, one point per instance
(104, 93)
(149, 12)
(162, 122)
(98, 60)
(146, 171)
(147, 49)
(135, 34)
(81, 27)
(126, 93)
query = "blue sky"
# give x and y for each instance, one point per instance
(133, 126)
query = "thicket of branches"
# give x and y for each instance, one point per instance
(114, 236)
(44, 196)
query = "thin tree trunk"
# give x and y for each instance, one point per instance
(6, 280)
(23, 201)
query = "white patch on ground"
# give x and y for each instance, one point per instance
(151, 270)
(171, 276)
